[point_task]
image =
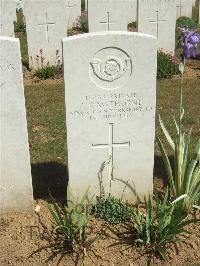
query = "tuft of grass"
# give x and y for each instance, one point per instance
(48, 72)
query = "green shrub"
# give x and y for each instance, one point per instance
(167, 65)
(185, 22)
(132, 25)
(160, 225)
(71, 221)
(48, 72)
(112, 210)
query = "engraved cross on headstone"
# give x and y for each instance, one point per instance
(157, 22)
(108, 22)
(110, 146)
(180, 6)
(70, 6)
(47, 24)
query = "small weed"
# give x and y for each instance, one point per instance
(112, 210)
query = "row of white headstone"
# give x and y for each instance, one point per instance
(46, 22)
(110, 116)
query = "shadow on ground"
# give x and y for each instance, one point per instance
(159, 171)
(49, 176)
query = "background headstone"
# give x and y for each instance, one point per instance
(184, 8)
(15, 177)
(110, 110)
(158, 18)
(7, 17)
(131, 10)
(74, 11)
(107, 15)
(46, 25)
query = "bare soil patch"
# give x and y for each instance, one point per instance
(28, 239)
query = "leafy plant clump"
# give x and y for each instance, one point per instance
(167, 65)
(113, 210)
(185, 22)
(71, 222)
(160, 225)
(132, 25)
(48, 72)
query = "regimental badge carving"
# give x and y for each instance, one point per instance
(110, 68)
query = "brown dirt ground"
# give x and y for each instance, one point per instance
(28, 239)
(192, 69)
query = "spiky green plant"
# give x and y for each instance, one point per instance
(157, 226)
(184, 177)
(72, 220)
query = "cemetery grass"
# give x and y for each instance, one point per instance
(24, 234)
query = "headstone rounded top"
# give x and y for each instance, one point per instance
(108, 33)
(4, 38)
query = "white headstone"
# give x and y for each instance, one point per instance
(15, 177)
(184, 8)
(46, 25)
(194, 2)
(158, 18)
(74, 11)
(107, 15)
(110, 95)
(7, 17)
(131, 10)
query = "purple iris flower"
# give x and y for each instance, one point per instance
(189, 42)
